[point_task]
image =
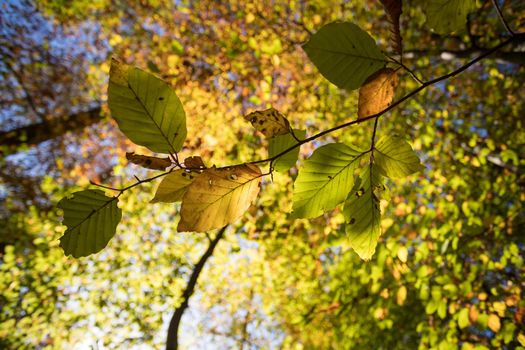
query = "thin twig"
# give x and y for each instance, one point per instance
(395, 104)
(410, 71)
(502, 19)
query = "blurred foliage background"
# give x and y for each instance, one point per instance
(448, 270)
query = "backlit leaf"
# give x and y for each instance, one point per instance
(344, 54)
(463, 318)
(324, 180)
(281, 143)
(91, 219)
(173, 186)
(363, 214)
(395, 157)
(270, 122)
(148, 162)
(146, 109)
(447, 16)
(494, 323)
(218, 197)
(377, 92)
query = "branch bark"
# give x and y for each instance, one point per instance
(172, 342)
(34, 134)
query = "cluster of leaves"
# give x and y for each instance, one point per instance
(150, 114)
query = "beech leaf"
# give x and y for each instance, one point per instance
(194, 162)
(324, 180)
(270, 122)
(218, 197)
(344, 54)
(363, 213)
(395, 158)
(91, 219)
(281, 143)
(447, 16)
(377, 92)
(146, 109)
(148, 162)
(173, 186)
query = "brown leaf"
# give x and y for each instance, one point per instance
(377, 92)
(270, 122)
(148, 162)
(394, 9)
(218, 197)
(194, 162)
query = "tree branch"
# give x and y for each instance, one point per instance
(400, 101)
(172, 342)
(502, 19)
(34, 134)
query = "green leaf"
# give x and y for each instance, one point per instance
(395, 157)
(447, 16)
(344, 54)
(146, 109)
(91, 219)
(280, 143)
(173, 187)
(363, 214)
(463, 319)
(324, 180)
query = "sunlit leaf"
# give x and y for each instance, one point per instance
(148, 162)
(363, 213)
(494, 323)
(218, 197)
(344, 54)
(91, 219)
(281, 143)
(377, 92)
(395, 157)
(463, 318)
(146, 109)
(173, 186)
(324, 180)
(447, 16)
(270, 122)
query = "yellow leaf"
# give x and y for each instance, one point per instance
(270, 122)
(173, 186)
(377, 92)
(521, 339)
(401, 295)
(218, 197)
(148, 162)
(402, 254)
(494, 323)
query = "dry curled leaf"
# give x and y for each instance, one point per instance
(270, 122)
(194, 162)
(377, 92)
(394, 9)
(218, 197)
(148, 162)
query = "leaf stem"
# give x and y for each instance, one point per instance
(410, 71)
(398, 102)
